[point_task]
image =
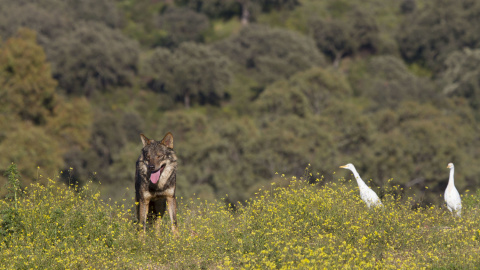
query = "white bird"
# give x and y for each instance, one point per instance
(367, 194)
(452, 197)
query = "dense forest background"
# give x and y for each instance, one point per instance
(249, 89)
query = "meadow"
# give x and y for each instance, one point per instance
(290, 224)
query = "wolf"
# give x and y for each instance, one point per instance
(155, 181)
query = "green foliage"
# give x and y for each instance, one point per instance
(37, 124)
(139, 21)
(321, 86)
(221, 30)
(460, 76)
(192, 73)
(306, 92)
(72, 122)
(340, 37)
(428, 35)
(280, 100)
(93, 58)
(268, 5)
(38, 150)
(414, 142)
(387, 81)
(102, 11)
(13, 183)
(262, 99)
(268, 54)
(54, 18)
(27, 88)
(49, 23)
(108, 136)
(224, 9)
(333, 37)
(28, 100)
(181, 25)
(289, 144)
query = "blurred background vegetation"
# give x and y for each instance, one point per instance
(249, 88)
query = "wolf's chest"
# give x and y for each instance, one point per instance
(156, 194)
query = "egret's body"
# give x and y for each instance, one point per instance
(452, 197)
(366, 194)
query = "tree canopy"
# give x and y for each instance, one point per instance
(268, 54)
(250, 90)
(192, 73)
(93, 58)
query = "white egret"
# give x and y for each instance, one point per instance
(452, 197)
(367, 194)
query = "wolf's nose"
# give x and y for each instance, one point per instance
(151, 167)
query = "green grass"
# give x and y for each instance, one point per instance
(296, 225)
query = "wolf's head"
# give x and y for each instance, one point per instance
(158, 156)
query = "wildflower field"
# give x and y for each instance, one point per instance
(290, 225)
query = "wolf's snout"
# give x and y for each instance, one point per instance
(151, 167)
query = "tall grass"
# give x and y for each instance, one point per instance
(298, 225)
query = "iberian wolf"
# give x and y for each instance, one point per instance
(155, 179)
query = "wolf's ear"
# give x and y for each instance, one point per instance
(146, 141)
(168, 140)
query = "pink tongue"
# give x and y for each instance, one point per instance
(155, 176)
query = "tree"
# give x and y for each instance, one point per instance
(214, 9)
(267, 54)
(268, 5)
(333, 38)
(322, 86)
(428, 35)
(38, 126)
(107, 138)
(192, 72)
(71, 123)
(408, 6)
(289, 144)
(54, 18)
(181, 25)
(246, 10)
(48, 23)
(280, 99)
(460, 76)
(27, 88)
(33, 150)
(102, 11)
(307, 92)
(93, 58)
(416, 145)
(387, 81)
(340, 37)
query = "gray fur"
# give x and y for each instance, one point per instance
(152, 198)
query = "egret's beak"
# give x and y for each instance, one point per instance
(449, 166)
(344, 166)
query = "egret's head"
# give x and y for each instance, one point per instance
(349, 166)
(450, 165)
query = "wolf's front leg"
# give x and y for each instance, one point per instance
(172, 211)
(142, 213)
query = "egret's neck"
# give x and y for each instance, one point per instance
(357, 177)
(450, 180)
